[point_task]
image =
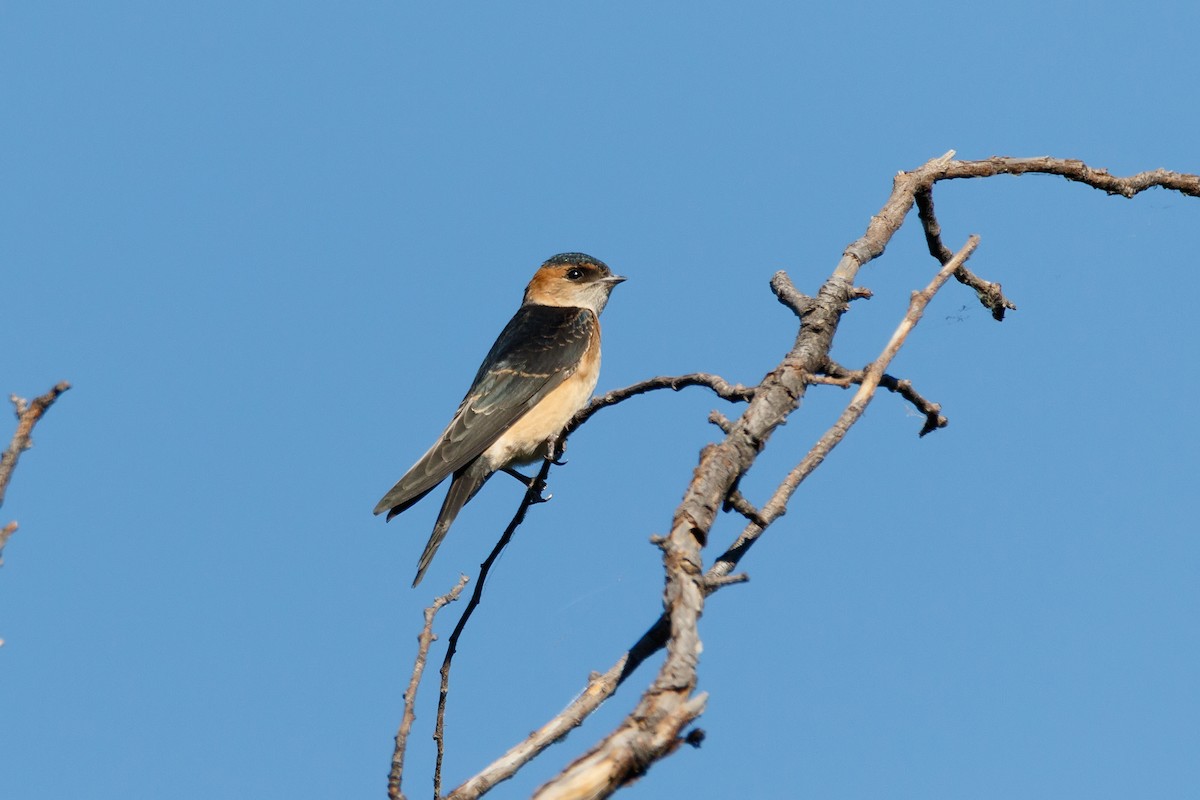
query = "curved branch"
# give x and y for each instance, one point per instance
(907, 185)
(840, 376)
(990, 294)
(733, 392)
(1073, 170)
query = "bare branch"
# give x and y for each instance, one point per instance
(776, 506)
(840, 376)
(599, 688)
(907, 185)
(989, 294)
(424, 640)
(652, 730)
(844, 382)
(866, 390)
(1074, 170)
(733, 392)
(28, 414)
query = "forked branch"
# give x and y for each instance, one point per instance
(657, 725)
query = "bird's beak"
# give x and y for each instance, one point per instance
(614, 279)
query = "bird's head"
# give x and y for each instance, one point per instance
(572, 279)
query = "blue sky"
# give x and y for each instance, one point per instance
(269, 243)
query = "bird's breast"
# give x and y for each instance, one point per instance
(525, 440)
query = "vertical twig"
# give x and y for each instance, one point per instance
(424, 640)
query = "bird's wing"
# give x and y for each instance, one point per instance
(538, 349)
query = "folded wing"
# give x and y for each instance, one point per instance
(538, 349)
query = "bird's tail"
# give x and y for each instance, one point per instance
(463, 487)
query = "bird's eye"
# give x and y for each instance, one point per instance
(574, 274)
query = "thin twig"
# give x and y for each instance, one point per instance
(989, 294)
(840, 376)
(533, 495)
(28, 414)
(424, 640)
(599, 688)
(733, 392)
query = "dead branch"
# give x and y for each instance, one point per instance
(733, 392)
(840, 376)
(28, 414)
(424, 640)
(907, 185)
(989, 294)
(656, 727)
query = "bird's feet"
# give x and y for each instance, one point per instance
(533, 485)
(523, 478)
(555, 447)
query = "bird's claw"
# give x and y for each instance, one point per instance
(525, 480)
(555, 449)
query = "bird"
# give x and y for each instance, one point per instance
(541, 370)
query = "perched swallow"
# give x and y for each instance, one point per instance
(539, 373)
